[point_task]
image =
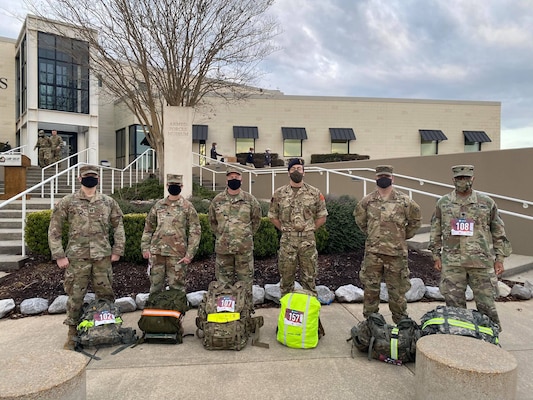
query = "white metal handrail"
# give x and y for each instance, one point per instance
(16, 150)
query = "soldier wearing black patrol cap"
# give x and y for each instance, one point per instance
(469, 244)
(388, 218)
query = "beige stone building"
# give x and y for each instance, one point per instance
(43, 86)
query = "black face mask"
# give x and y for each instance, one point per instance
(296, 176)
(234, 184)
(174, 190)
(89, 181)
(384, 182)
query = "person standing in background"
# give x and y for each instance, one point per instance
(56, 143)
(44, 149)
(268, 158)
(214, 153)
(250, 158)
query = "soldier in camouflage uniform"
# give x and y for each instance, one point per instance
(388, 218)
(297, 210)
(45, 149)
(171, 237)
(56, 143)
(234, 217)
(469, 244)
(90, 216)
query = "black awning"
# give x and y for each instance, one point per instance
(476, 136)
(294, 133)
(343, 134)
(431, 135)
(199, 132)
(144, 142)
(245, 132)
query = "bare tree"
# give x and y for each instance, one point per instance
(151, 53)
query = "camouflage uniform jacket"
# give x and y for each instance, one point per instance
(172, 228)
(297, 210)
(42, 142)
(234, 220)
(487, 242)
(55, 141)
(387, 223)
(90, 220)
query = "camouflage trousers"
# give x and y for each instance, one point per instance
(482, 281)
(45, 156)
(395, 272)
(297, 251)
(230, 268)
(166, 267)
(77, 277)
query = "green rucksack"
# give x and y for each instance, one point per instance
(162, 316)
(224, 320)
(459, 321)
(101, 326)
(391, 343)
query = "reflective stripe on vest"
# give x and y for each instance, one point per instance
(394, 343)
(156, 312)
(460, 324)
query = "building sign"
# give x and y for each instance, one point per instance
(3, 83)
(10, 160)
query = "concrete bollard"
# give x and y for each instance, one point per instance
(44, 375)
(459, 367)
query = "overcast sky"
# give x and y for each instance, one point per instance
(422, 49)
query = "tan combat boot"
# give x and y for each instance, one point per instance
(70, 343)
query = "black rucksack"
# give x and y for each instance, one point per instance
(224, 320)
(101, 326)
(162, 316)
(459, 321)
(385, 342)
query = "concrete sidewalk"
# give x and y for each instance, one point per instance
(188, 371)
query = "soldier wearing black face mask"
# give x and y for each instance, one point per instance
(89, 254)
(171, 238)
(388, 218)
(234, 217)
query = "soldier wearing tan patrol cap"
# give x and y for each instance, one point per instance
(388, 218)
(165, 242)
(469, 244)
(234, 217)
(89, 254)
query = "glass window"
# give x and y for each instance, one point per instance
(472, 147)
(340, 147)
(428, 147)
(136, 143)
(63, 74)
(292, 148)
(120, 148)
(242, 145)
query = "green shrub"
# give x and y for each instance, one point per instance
(266, 239)
(36, 232)
(321, 237)
(344, 234)
(149, 189)
(207, 241)
(133, 227)
(201, 205)
(202, 192)
(133, 207)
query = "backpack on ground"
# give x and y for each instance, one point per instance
(391, 343)
(225, 321)
(162, 317)
(299, 321)
(101, 326)
(459, 321)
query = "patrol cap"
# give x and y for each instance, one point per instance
(88, 169)
(231, 170)
(175, 179)
(295, 161)
(463, 170)
(384, 170)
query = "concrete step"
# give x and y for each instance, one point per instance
(518, 268)
(11, 223)
(419, 242)
(10, 233)
(12, 247)
(10, 263)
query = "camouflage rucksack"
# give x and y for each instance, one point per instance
(101, 326)
(162, 316)
(382, 341)
(225, 319)
(460, 321)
